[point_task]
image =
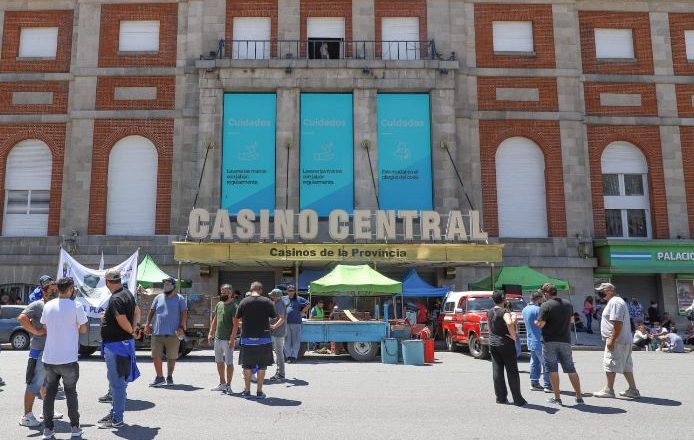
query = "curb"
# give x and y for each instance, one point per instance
(587, 348)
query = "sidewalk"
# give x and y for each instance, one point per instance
(586, 342)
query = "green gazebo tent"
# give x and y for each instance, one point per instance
(523, 276)
(359, 280)
(149, 274)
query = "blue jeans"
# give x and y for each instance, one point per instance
(537, 367)
(556, 353)
(117, 384)
(589, 322)
(292, 342)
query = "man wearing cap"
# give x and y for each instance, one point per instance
(37, 294)
(64, 321)
(220, 335)
(615, 328)
(117, 332)
(279, 333)
(170, 313)
(30, 319)
(296, 306)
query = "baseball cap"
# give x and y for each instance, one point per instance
(274, 293)
(171, 280)
(44, 280)
(112, 275)
(290, 287)
(605, 286)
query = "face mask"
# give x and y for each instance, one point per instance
(224, 298)
(168, 289)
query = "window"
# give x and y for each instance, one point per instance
(625, 187)
(513, 36)
(326, 37)
(251, 38)
(139, 36)
(41, 42)
(448, 307)
(27, 189)
(479, 304)
(689, 44)
(132, 187)
(520, 187)
(614, 44)
(400, 38)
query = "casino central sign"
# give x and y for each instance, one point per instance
(366, 225)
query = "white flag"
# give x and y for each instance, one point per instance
(101, 262)
(90, 285)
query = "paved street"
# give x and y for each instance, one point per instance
(337, 398)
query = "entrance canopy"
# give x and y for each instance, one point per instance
(359, 280)
(523, 276)
(149, 274)
(414, 285)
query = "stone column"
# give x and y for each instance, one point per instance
(209, 133)
(439, 25)
(365, 129)
(445, 181)
(671, 147)
(287, 148)
(288, 25)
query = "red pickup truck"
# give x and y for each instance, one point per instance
(464, 321)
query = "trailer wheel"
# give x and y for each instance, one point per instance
(362, 351)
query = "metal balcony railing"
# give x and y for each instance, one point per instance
(327, 49)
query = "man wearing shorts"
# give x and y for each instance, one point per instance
(170, 312)
(615, 328)
(555, 322)
(220, 335)
(255, 312)
(30, 319)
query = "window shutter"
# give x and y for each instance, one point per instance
(28, 177)
(139, 36)
(513, 36)
(400, 38)
(689, 43)
(251, 38)
(325, 27)
(623, 158)
(132, 187)
(614, 44)
(520, 187)
(41, 42)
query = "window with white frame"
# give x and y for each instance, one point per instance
(38, 42)
(513, 36)
(132, 187)
(625, 191)
(520, 189)
(138, 36)
(400, 38)
(27, 189)
(251, 38)
(689, 44)
(326, 37)
(614, 44)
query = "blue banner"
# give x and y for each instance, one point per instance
(248, 152)
(404, 152)
(327, 152)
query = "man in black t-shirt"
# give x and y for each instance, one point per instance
(555, 322)
(254, 312)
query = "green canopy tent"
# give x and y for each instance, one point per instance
(523, 276)
(359, 280)
(149, 274)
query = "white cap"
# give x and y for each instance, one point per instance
(605, 286)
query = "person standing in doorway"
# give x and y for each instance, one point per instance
(555, 322)
(253, 316)
(63, 320)
(615, 328)
(588, 311)
(279, 333)
(635, 312)
(530, 315)
(220, 335)
(296, 307)
(653, 313)
(170, 313)
(502, 341)
(118, 330)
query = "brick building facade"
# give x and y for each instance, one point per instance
(546, 74)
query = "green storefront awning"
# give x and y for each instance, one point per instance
(644, 256)
(523, 276)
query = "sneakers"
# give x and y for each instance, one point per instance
(548, 390)
(631, 393)
(29, 421)
(604, 393)
(106, 398)
(221, 387)
(277, 378)
(108, 423)
(2, 382)
(48, 434)
(158, 382)
(169, 381)
(580, 401)
(536, 387)
(75, 431)
(228, 390)
(246, 395)
(554, 401)
(260, 395)
(56, 415)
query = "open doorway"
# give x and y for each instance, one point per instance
(326, 36)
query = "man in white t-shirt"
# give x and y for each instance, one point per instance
(63, 320)
(615, 327)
